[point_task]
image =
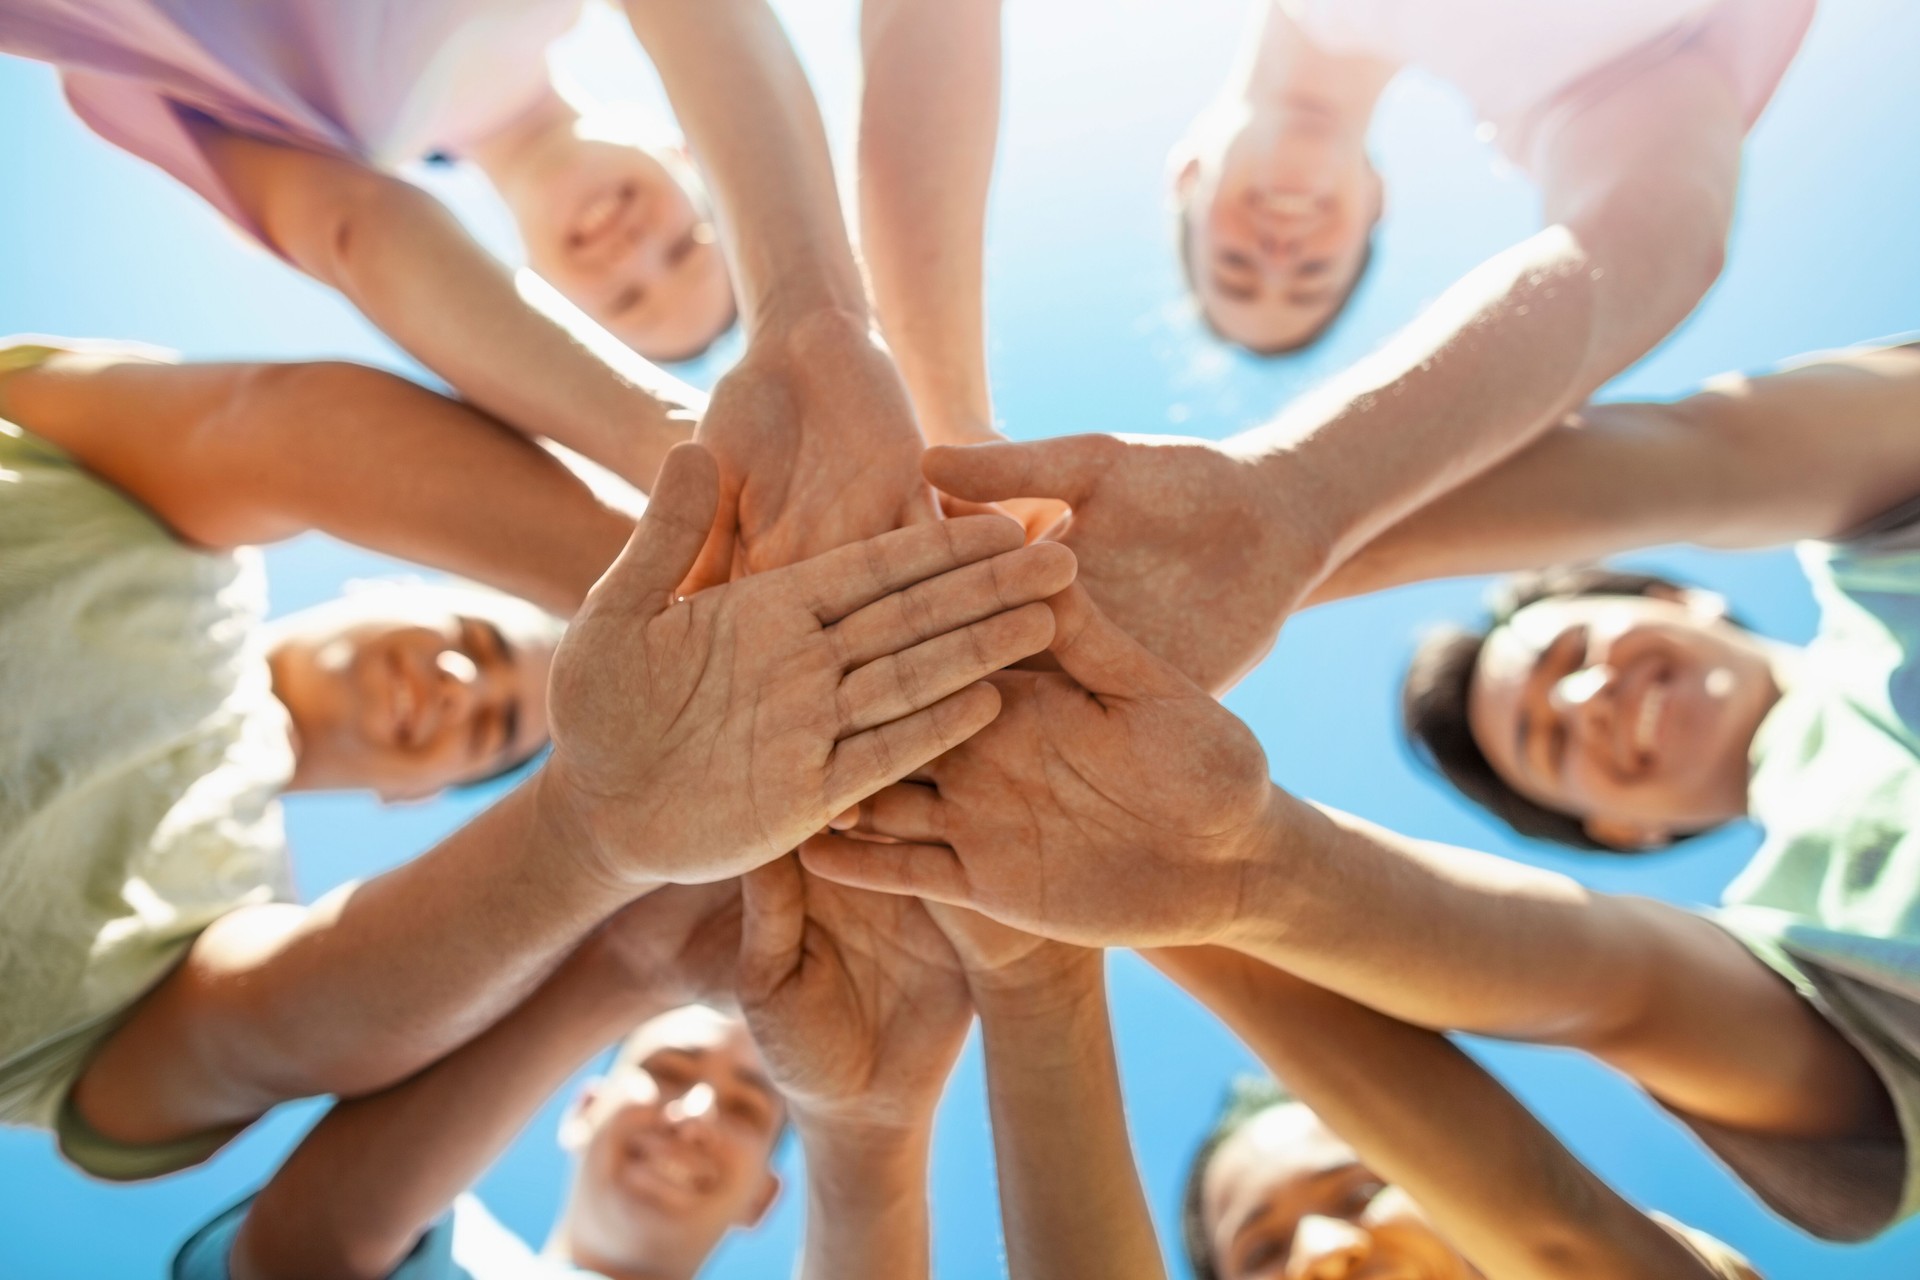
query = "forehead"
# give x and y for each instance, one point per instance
(696, 1030)
(1274, 1152)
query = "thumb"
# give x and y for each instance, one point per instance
(678, 518)
(1092, 648)
(1067, 468)
(773, 925)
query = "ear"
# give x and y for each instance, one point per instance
(575, 1129)
(1628, 836)
(1183, 169)
(763, 1203)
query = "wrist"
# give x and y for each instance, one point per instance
(563, 834)
(1267, 881)
(1297, 504)
(1040, 988)
(843, 1150)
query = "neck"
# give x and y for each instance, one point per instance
(1285, 72)
(280, 674)
(574, 1241)
(508, 155)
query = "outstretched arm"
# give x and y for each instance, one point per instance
(1070, 1196)
(398, 255)
(929, 113)
(1427, 1118)
(1811, 451)
(369, 1180)
(232, 454)
(776, 701)
(813, 429)
(1639, 191)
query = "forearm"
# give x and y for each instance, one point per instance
(929, 115)
(1810, 451)
(866, 1201)
(362, 989)
(232, 454)
(1659, 993)
(749, 114)
(1070, 1195)
(1501, 356)
(363, 1186)
(404, 260)
(1427, 1118)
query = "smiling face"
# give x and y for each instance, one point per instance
(1283, 1198)
(674, 1144)
(405, 691)
(1634, 714)
(1277, 211)
(625, 234)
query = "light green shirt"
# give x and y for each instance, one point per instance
(141, 751)
(1832, 899)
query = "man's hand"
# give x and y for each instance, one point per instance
(696, 738)
(817, 448)
(1002, 963)
(1116, 804)
(856, 1000)
(681, 942)
(1180, 541)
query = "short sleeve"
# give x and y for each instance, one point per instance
(1725, 1263)
(204, 1256)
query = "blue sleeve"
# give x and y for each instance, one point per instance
(204, 1255)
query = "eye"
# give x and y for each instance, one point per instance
(1310, 270)
(1261, 1252)
(1234, 260)
(1362, 1196)
(626, 300)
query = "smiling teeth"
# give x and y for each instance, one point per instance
(1649, 719)
(598, 214)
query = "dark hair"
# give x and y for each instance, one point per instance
(1246, 1098)
(1183, 246)
(1439, 681)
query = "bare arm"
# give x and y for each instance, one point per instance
(232, 454)
(370, 1179)
(1811, 451)
(1070, 1195)
(398, 255)
(1426, 1117)
(1639, 192)
(1659, 993)
(929, 113)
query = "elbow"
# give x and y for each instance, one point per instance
(271, 1247)
(341, 241)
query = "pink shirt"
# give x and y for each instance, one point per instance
(384, 81)
(1516, 59)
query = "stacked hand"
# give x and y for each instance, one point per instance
(1113, 803)
(1180, 541)
(696, 738)
(856, 999)
(817, 448)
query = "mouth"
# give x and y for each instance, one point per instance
(668, 1166)
(601, 216)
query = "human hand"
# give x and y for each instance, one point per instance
(817, 448)
(856, 1000)
(1112, 805)
(1004, 964)
(680, 942)
(1184, 544)
(696, 738)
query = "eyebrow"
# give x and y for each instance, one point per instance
(1236, 291)
(503, 654)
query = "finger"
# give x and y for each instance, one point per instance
(904, 811)
(953, 600)
(1067, 468)
(868, 761)
(953, 507)
(848, 578)
(1092, 649)
(773, 925)
(664, 546)
(902, 683)
(931, 872)
(716, 562)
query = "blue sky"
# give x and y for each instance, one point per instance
(1088, 334)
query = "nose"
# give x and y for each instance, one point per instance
(1328, 1249)
(696, 1103)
